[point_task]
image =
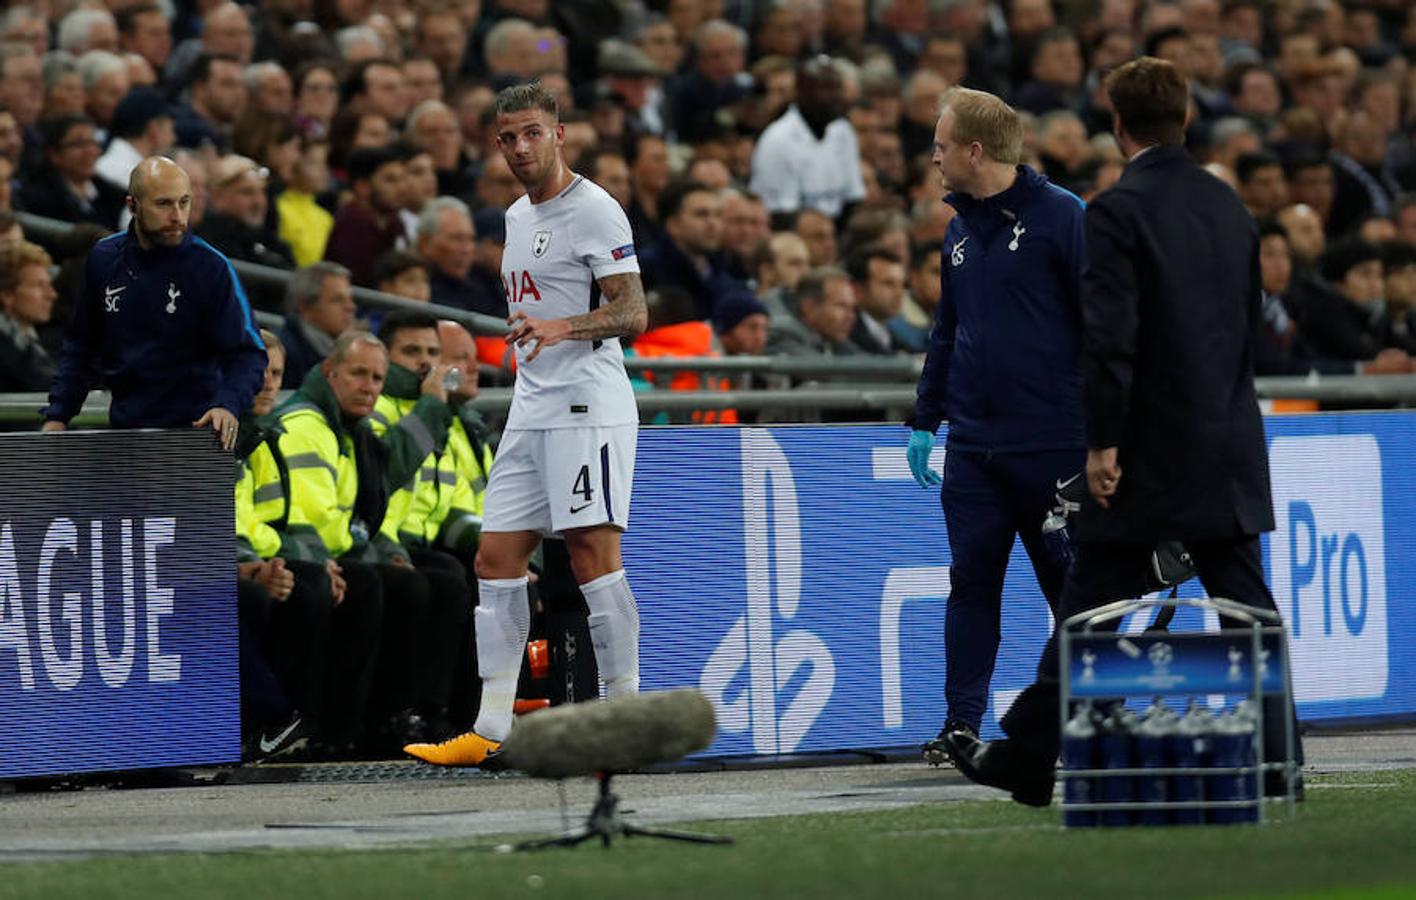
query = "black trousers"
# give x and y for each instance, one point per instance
(448, 651)
(355, 629)
(1104, 572)
(263, 701)
(297, 635)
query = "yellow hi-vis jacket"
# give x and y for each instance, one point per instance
(319, 454)
(261, 504)
(471, 451)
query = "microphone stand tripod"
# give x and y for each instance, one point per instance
(605, 822)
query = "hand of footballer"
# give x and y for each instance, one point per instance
(545, 332)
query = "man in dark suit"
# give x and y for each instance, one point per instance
(1176, 449)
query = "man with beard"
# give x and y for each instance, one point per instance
(809, 158)
(163, 322)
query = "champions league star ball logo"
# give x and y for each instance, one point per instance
(1160, 656)
(539, 242)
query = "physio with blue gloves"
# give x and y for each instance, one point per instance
(1004, 367)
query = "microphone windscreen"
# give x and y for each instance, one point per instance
(614, 735)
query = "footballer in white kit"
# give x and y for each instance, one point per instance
(565, 466)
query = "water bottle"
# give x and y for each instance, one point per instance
(1233, 747)
(1079, 751)
(1153, 739)
(1118, 752)
(1189, 748)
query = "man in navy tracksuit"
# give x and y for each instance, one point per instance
(1004, 367)
(163, 322)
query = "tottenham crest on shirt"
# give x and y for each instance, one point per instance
(539, 242)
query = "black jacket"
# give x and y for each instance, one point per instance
(300, 357)
(47, 195)
(1170, 308)
(23, 368)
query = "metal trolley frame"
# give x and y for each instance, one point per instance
(1217, 666)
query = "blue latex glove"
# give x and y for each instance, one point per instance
(921, 443)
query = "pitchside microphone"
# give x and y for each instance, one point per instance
(616, 735)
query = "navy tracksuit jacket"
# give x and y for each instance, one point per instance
(168, 331)
(1004, 367)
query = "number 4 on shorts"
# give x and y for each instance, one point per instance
(583, 490)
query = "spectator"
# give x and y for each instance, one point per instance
(717, 79)
(745, 228)
(1063, 147)
(1261, 184)
(63, 88)
(316, 94)
(1281, 349)
(878, 279)
(319, 307)
(369, 224)
(24, 25)
(489, 225)
(740, 325)
(447, 241)
(433, 125)
(649, 172)
(1376, 230)
(65, 188)
(26, 301)
(497, 187)
(469, 442)
(828, 310)
(1362, 183)
(689, 255)
(819, 232)
(403, 274)
(1344, 316)
(1304, 229)
(1231, 138)
(1057, 73)
(216, 99)
(104, 77)
(1255, 93)
(22, 89)
(420, 184)
(509, 49)
(7, 175)
(809, 158)
(910, 328)
(269, 88)
(88, 29)
(606, 167)
(422, 80)
(141, 127)
(1404, 213)
(377, 86)
(1399, 270)
(12, 142)
(441, 36)
(226, 31)
(235, 222)
(1310, 182)
(143, 29)
(305, 225)
(628, 74)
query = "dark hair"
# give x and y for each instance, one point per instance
(858, 263)
(56, 128)
(1303, 158)
(673, 197)
(591, 160)
(520, 97)
(358, 81)
(1154, 42)
(813, 284)
(1234, 79)
(405, 320)
(635, 141)
(201, 69)
(1054, 35)
(305, 69)
(1270, 228)
(365, 161)
(394, 263)
(1344, 256)
(127, 19)
(1151, 98)
(922, 254)
(1397, 255)
(1249, 163)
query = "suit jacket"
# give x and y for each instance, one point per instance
(1171, 309)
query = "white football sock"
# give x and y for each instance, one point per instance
(614, 632)
(503, 621)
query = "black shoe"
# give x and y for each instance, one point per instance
(936, 752)
(999, 764)
(284, 740)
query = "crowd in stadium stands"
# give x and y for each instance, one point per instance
(772, 156)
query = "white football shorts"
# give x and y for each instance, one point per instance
(554, 479)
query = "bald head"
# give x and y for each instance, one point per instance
(160, 199)
(459, 351)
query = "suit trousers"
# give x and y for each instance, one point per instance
(1105, 572)
(989, 500)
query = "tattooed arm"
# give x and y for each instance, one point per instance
(623, 313)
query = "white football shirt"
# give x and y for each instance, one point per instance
(555, 250)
